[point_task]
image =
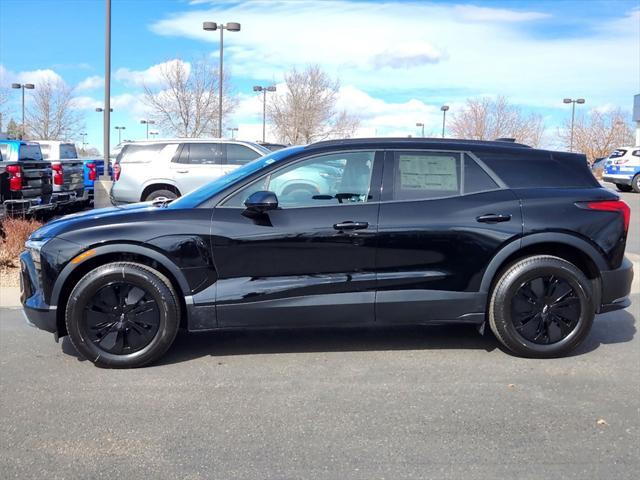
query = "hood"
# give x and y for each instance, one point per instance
(90, 217)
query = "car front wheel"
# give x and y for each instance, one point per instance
(541, 307)
(122, 315)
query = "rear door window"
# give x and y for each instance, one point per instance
(240, 154)
(67, 151)
(30, 152)
(207, 154)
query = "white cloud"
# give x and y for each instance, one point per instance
(86, 103)
(152, 76)
(91, 83)
(7, 77)
(406, 47)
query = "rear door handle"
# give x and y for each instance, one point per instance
(493, 218)
(349, 225)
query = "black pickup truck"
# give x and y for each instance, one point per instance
(25, 179)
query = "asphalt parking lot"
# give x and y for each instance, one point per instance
(438, 402)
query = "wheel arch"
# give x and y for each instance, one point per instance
(573, 249)
(71, 273)
(158, 185)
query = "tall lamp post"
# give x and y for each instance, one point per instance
(420, 124)
(147, 123)
(22, 86)
(232, 130)
(211, 27)
(120, 133)
(264, 90)
(444, 109)
(84, 141)
(573, 115)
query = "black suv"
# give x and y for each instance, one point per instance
(343, 233)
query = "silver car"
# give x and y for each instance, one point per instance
(148, 170)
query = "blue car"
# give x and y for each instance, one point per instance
(93, 169)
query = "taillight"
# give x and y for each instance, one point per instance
(116, 172)
(58, 178)
(15, 177)
(92, 171)
(614, 206)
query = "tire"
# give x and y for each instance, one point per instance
(140, 327)
(161, 193)
(624, 188)
(635, 183)
(542, 279)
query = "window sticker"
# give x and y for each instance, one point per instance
(433, 172)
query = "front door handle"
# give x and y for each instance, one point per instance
(349, 225)
(493, 218)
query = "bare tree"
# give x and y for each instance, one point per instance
(306, 110)
(488, 119)
(51, 115)
(4, 111)
(186, 103)
(598, 134)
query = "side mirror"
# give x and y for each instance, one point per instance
(261, 201)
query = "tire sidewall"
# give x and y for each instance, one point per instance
(511, 283)
(90, 284)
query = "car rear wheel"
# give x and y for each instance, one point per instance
(635, 183)
(156, 194)
(624, 188)
(541, 307)
(122, 315)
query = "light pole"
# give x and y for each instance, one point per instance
(84, 141)
(211, 27)
(573, 115)
(22, 86)
(420, 124)
(120, 133)
(264, 90)
(444, 109)
(232, 130)
(147, 123)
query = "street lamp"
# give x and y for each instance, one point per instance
(102, 109)
(232, 130)
(420, 124)
(147, 123)
(120, 133)
(264, 91)
(84, 141)
(22, 86)
(573, 115)
(211, 27)
(444, 109)
(153, 133)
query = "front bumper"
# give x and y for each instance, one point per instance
(616, 287)
(37, 311)
(618, 179)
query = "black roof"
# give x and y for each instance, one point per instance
(404, 141)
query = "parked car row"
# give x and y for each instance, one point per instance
(44, 176)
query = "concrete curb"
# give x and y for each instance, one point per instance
(10, 296)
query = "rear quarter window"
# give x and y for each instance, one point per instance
(540, 169)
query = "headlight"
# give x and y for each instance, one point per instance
(34, 247)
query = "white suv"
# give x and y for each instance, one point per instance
(148, 170)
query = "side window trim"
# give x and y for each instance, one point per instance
(377, 176)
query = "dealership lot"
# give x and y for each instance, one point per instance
(438, 402)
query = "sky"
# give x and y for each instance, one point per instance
(397, 61)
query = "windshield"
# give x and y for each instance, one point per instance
(195, 198)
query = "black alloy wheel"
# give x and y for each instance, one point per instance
(541, 307)
(121, 318)
(545, 309)
(122, 315)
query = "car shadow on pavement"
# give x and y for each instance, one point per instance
(615, 328)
